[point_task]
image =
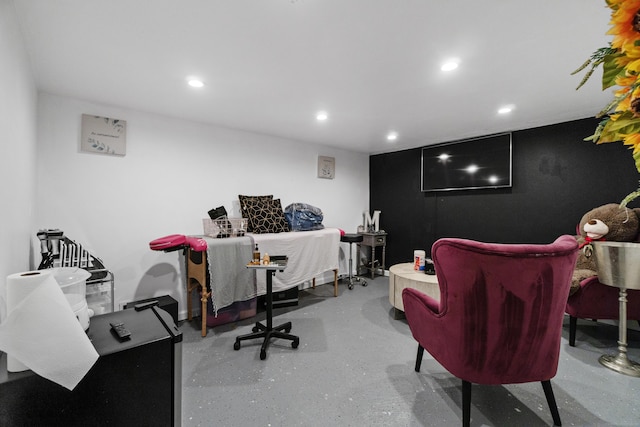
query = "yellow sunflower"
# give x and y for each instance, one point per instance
(633, 141)
(626, 81)
(623, 96)
(621, 68)
(625, 22)
(631, 61)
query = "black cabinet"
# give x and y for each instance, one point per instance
(135, 382)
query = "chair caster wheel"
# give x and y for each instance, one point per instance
(263, 354)
(350, 286)
(295, 343)
(364, 283)
(255, 329)
(236, 345)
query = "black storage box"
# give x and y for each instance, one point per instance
(137, 382)
(286, 298)
(165, 302)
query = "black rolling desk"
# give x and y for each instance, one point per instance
(267, 332)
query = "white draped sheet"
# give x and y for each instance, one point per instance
(310, 254)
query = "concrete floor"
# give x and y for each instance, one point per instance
(354, 367)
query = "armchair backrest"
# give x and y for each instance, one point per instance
(502, 307)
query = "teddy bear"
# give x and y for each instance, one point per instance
(607, 222)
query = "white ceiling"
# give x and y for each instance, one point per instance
(373, 65)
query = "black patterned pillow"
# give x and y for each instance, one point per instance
(250, 199)
(266, 216)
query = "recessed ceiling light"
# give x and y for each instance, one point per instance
(506, 109)
(195, 83)
(322, 116)
(392, 136)
(449, 65)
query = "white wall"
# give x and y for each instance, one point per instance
(174, 171)
(17, 149)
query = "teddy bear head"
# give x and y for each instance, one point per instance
(606, 222)
(610, 222)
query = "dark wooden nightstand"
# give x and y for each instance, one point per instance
(373, 240)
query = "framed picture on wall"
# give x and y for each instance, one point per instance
(103, 135)
(326, 167)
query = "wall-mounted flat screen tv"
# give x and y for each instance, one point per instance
(477, 163)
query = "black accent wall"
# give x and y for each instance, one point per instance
(557, 177)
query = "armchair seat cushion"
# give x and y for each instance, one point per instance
(595, 300)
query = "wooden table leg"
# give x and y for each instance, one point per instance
(197, 278)
(335, 282)
(205, 297)
(189, 304)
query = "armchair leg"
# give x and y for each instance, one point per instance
(466, 403)
(419, 357)
(551, 401)
(573, 321)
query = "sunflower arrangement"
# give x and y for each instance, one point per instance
(621, 67)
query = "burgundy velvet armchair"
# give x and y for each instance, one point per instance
(499, 318)
(594, 300)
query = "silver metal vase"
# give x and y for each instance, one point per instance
(618, 265)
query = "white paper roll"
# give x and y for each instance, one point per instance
(41, 331)
(19, 286)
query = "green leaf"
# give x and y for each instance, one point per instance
(630, 197)
(599, 130)
(611, 106)
(582, 67)
(625, 123)
(611, 70)
(632, 127)
(594, 60)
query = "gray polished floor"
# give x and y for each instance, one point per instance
(354, 367)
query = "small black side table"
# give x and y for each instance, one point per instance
(267, 332)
